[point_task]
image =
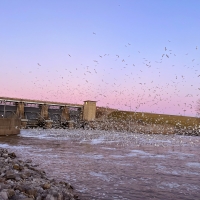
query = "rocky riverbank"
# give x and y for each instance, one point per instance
(22, 180)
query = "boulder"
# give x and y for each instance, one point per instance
(46, 186)
(3, 195)
(10, 175)
(16, 166)
(10, 192)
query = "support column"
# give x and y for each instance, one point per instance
(20, 110)
(45, 116)
(44, 111)
(20, 114)
(65, 113)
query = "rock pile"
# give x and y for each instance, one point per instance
(22, 180)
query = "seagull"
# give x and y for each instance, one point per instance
(165, 49)
(94, 33)
(39, 64)
(69, 55)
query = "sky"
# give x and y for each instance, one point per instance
(130, 55)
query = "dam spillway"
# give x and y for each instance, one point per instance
(47, 114)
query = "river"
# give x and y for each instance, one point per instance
(114, 165)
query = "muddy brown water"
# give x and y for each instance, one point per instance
(113, 165)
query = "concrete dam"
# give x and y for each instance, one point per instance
(46, 114)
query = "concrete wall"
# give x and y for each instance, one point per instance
(9, 126)
(89, 110)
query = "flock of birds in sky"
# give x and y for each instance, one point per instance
(128, 82)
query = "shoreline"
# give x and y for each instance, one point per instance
(23, 180)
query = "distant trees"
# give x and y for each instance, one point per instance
(198, 107)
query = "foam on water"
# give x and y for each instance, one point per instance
(108, 148)
(97, 141)
(139, 153)
(99, 175)
(13, 146)
(91, 156)
(171, 185)
(193, 164)
(117, 156)
(98, 137)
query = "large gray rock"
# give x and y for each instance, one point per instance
(10, 175)
(3, 195)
